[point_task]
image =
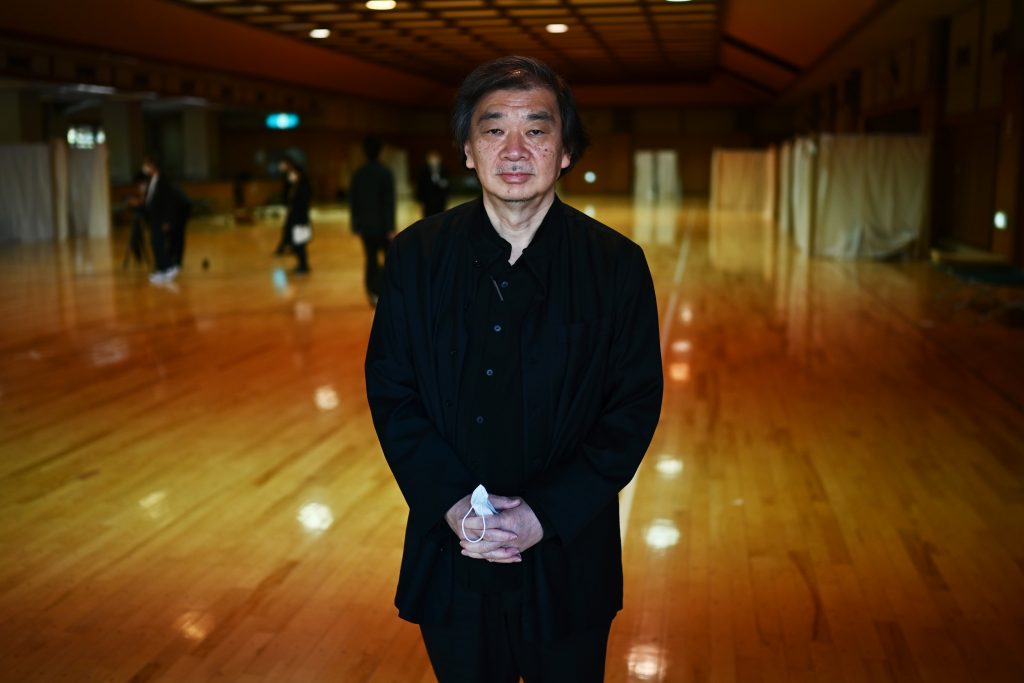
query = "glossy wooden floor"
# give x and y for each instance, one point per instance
(190, 489)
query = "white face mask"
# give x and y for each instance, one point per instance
(481, 504)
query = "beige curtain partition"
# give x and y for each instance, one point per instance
(88, 192)
(858, 196)
(784, 207)
(743, 180)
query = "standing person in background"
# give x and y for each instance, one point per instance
(372, 202)
(284, 245)
(166, 209)
(297, 225)
(137, 241)
(432, 186)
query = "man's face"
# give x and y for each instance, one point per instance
(148, 168)
(515, 144)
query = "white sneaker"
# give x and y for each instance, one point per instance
(172, 273)
(157, 278)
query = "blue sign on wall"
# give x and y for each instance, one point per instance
(282, 120)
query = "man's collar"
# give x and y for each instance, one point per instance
(487, 246)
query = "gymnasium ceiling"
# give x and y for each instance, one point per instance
(636, 52)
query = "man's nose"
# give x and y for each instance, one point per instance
(515, 147)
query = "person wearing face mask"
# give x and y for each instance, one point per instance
(297, 225)
(432, 185)
(166, 209)
(514, 351)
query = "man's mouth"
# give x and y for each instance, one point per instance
(515, 173)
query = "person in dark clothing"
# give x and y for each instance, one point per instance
(284, 245)
(166, 209)
(296, 223)
(432, 186)
(136, 248)
(372, 203)
(515, 345)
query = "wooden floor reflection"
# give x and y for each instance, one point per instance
(190, 489)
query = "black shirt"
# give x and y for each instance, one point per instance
(591, 377)
(490, 428)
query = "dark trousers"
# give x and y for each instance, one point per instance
(484, 644)
(136, 243)
(286, 239)
(160, 242)
(176, 243)
(300, 254)
(376, 248)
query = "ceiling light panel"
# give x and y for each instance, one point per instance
(335, 16)
(311, 7)
(233, 10)
(270, 19)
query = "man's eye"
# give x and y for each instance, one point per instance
(494, 131)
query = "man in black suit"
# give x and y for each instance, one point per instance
(167, 210)
(515, 345)
(432, 185)
(372, 203)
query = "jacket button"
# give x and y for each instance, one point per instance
(452, 352)
(448, 403)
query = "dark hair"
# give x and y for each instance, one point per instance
(371, 147)
(519, 73)
(292, 164)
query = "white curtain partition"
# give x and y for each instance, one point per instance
(59, 159)
(872, 194)
(802, 192)
(88, 192)
(858, 196)
(26, 193)
(785, 209)
(743, 180)
(46, 189)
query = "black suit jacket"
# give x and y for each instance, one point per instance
(372, 199)
(433, 195)
(168, 205)
(297, 200)
(592, 395)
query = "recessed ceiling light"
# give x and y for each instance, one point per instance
(556, 28)
(380, 5)
(320, 33)
(679, 0)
